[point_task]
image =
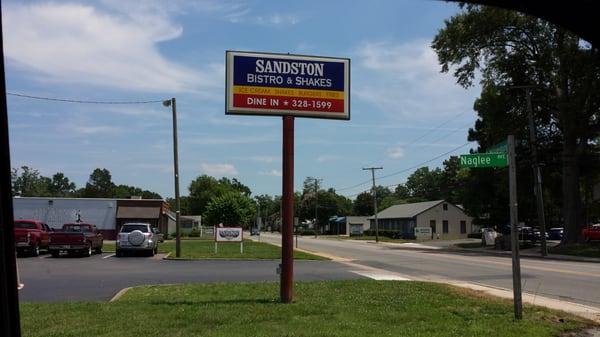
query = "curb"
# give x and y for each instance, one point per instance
(119, 294)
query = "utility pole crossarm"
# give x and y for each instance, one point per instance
(372, 169)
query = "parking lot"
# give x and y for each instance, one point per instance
(100, 277)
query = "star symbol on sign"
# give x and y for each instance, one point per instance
(285, 102)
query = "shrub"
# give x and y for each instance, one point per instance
(195, 233)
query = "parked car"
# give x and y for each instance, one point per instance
(488, 236)
(76, 238)
(526, 235)
(160, 237)
(556, 233)
(136, 237)
(591, 233)
(31, 236)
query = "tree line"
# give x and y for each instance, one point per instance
(28, 182)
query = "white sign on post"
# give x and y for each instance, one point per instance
(423, 232)
(229, 234)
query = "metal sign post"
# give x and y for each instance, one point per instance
(514, 219)
(287, 228)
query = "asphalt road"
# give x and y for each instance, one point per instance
(577, 282)
(100, 277)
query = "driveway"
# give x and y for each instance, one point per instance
(100, 277)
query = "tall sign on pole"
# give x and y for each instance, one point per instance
(289, 86)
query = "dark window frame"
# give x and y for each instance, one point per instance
(445, 226)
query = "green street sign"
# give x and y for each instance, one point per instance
(478, 160)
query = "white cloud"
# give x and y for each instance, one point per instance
(215, 140)
(261, 159)
(404, 81)
(327, 158)
(395, 152)
(272, 173)
(95, 129)
(278, 20)
(82, 44)
(219, 169)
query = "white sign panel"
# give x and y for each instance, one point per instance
(229, 234)
(423, 232)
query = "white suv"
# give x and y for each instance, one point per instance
(136, 237)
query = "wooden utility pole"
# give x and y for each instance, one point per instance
(171, 103)
(372, 169)
(514, 231)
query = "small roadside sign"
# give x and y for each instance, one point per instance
(478, 160)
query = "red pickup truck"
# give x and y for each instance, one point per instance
(591, 233)
(31, 236)
(82, 238)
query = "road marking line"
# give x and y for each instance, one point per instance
(107, 256)
(381, 276)
(525, 265)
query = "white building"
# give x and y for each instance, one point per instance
(447, 221)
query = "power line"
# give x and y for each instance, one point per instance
(413, 167)
(66, 100)
(444, 123)
(412, 142)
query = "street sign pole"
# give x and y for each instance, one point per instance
(514, 219)
(287, 228)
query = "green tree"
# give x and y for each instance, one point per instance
(363, 204)
(236, 185)
(126, 191)
(508, 48)
(231, 209)
(202, 190)
(99, 185)
(29, 183)
(184, 204)
(61, 186)
(425, 184)
(401, 192)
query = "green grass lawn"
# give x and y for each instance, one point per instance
(204, 249)
(591, 249)
(332, 308)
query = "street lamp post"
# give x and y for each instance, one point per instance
(171, 103)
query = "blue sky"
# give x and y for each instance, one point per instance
(147, 50)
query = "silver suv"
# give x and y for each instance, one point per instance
(137, 237)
